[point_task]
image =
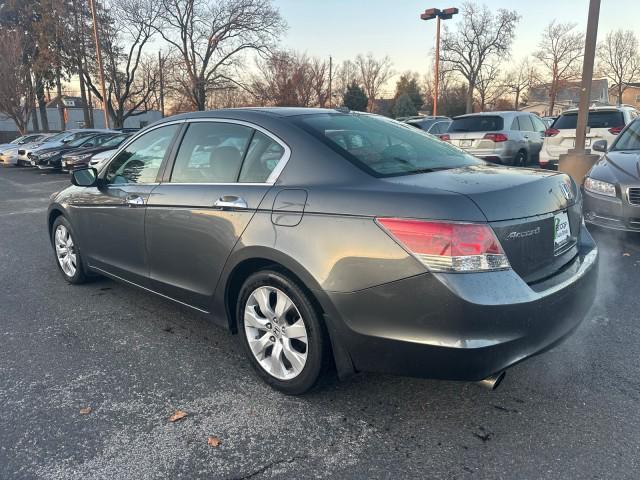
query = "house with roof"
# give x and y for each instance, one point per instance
(568, 96)
(630, 95)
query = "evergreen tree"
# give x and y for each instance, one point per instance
(355, 98)
(408, 84)
(404, 107)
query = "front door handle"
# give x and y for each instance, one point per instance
(135, 201)
(230, 201)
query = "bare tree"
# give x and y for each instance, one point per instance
(285, 79)
(209, 37)
(560, 55)
(483, 36)
(345, 74)
(520, 79)
(490, 85)
(131, 76)
(619, 59)
(319, 78)
(16, 91)
(373, 73)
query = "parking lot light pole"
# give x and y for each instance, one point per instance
(578, 161)
(430, 14)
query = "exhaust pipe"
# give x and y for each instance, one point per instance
(493, 381)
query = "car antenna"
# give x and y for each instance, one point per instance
(342, 109)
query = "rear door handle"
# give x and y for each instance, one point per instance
(134, 201)
(230, 201)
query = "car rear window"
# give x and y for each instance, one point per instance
(383, 147)
(477, 123)
(606, 119)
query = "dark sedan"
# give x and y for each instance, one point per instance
(81, 157)
(326, 237)
(612, 186)
(51, 158)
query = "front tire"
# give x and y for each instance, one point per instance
(66, 251)
(281, 332)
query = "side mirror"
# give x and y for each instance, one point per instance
(84, 177)
(66, 140)
(599, 146)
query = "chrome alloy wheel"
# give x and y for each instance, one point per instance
(276, 333)
(65, 250)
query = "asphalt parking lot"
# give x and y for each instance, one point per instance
(135, 359)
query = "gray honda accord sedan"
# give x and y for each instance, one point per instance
(324, 237)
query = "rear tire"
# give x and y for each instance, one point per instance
(281, 332)
(520, 159)
(67, 253)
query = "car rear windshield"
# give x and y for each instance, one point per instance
(477, 123)
(606, 119)
(630, 138)
(383, 147)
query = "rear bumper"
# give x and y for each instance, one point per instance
(504, 152)
(610, 212)
(462, 326)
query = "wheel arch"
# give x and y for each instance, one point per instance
(254, 259)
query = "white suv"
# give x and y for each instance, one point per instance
(604, 124)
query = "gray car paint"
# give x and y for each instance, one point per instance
(180, 246)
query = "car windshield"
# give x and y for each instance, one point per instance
(115, 141)
(56, 137)
(597, 119)
(477, 123)
(383, 147)
(630, 138)
(79, 141)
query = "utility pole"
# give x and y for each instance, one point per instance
(160, 66)
(330, 78)
(96, 37)
(579, 160)
(438, 14)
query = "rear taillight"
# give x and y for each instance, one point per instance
(445, 137)
(551, 132)
(615, 130)
(496, 137)
(448, 247)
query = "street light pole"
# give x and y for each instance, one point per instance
(96, 37)
(438, 14)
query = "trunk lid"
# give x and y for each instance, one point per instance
(524, 208)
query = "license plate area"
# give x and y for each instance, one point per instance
(561, 231)
(465, 143)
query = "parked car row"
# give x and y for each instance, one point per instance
(523, 138)
(62, 151)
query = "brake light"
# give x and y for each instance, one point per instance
(615, 130)
(551, 132)
(496, 137)
(445, 137)
(448, 247)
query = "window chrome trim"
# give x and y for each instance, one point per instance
(275, 173)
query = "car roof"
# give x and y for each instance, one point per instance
(504, 113)
(269, 111)
(611, 108)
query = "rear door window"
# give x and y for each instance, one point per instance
(477, 123)
(525, 123)
(599, 119)
(211, 152)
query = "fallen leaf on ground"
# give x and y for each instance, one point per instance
(85, 411)
(214, 441)
(179, 415)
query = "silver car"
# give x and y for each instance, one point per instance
(509, 138)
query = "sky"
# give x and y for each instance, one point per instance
(344, 28)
